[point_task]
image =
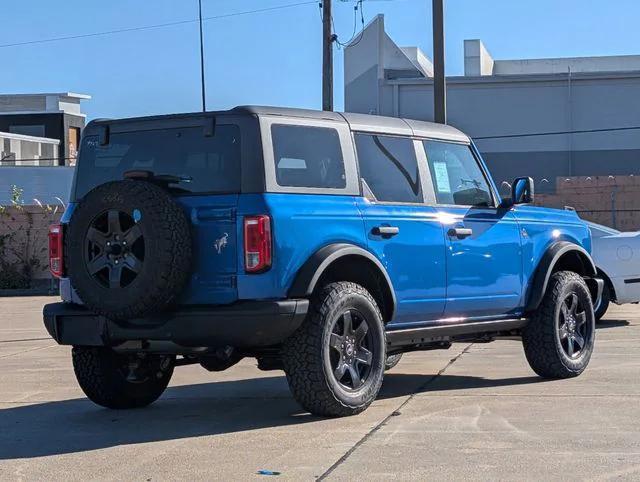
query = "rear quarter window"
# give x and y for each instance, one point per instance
(207, 164)
(308, 157)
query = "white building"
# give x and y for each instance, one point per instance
(496, 101)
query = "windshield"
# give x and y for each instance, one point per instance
(206, 164)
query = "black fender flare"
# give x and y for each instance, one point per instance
(546, 266)
(308, 275)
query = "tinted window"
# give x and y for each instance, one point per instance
(389, 167)
(308, 157)
(457, 177)
(208, 164)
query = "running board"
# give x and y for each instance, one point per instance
(428, 334)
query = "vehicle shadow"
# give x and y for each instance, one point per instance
(604, 324)
(400, 384)
(73, 426)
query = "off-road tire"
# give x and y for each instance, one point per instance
(604, 302)
(306, 366)
(100, 375)
(392, 361)
(540, 337)
(167, 243)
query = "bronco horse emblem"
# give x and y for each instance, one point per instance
(221, 243)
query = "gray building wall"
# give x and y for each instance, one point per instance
(489, 104)
(46, 184)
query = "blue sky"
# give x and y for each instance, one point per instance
(272, 57)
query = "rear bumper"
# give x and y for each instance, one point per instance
(242, 325)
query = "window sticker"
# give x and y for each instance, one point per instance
(442, 177)
(291, 163)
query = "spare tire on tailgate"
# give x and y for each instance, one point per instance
(128, 249)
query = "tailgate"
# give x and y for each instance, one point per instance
(215, 240)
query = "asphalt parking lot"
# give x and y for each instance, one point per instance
(474, 411)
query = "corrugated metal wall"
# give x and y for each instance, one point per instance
(45, 184)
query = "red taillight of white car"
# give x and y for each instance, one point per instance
(56, 255)
(257, 243)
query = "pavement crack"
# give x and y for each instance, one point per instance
(25, 339)
(394, 412)
(27, 351)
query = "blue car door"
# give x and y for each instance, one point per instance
(484, 253)
(403, 232)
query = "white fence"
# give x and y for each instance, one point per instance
(19, 150)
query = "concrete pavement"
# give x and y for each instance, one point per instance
(474, 411)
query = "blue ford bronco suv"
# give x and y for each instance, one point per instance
(319, 243)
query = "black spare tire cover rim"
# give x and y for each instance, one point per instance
(128, 249)
(114, 248)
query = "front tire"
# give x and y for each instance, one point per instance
(335, 361)
(558, 340)
(120, 381)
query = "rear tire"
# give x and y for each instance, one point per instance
(335, 361)
(118, 381)
(558, 340)
(604, 302)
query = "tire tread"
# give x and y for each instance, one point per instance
(538, 336)
(303, 365)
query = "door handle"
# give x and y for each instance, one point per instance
(460, 233)
(385, 231)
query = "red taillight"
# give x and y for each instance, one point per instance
(257, 243)
(56, 255)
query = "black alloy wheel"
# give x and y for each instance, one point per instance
(573, 328)
(114, 249)
(559, 337)
(350, 354)
(335, 360)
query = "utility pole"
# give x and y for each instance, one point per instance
(327, 57)
(439, 80)
(204, 96)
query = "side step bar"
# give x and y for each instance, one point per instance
(414, 336)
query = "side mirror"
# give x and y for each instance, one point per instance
(522, 191)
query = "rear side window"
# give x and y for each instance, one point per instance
(308, 157)
(457, 177)
(207, 164)
(389, 167)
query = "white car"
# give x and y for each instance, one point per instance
(617, 257)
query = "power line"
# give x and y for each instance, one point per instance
(159, 25)
(559, 133)
(506, 136)
(356, 7)
(8, 159)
